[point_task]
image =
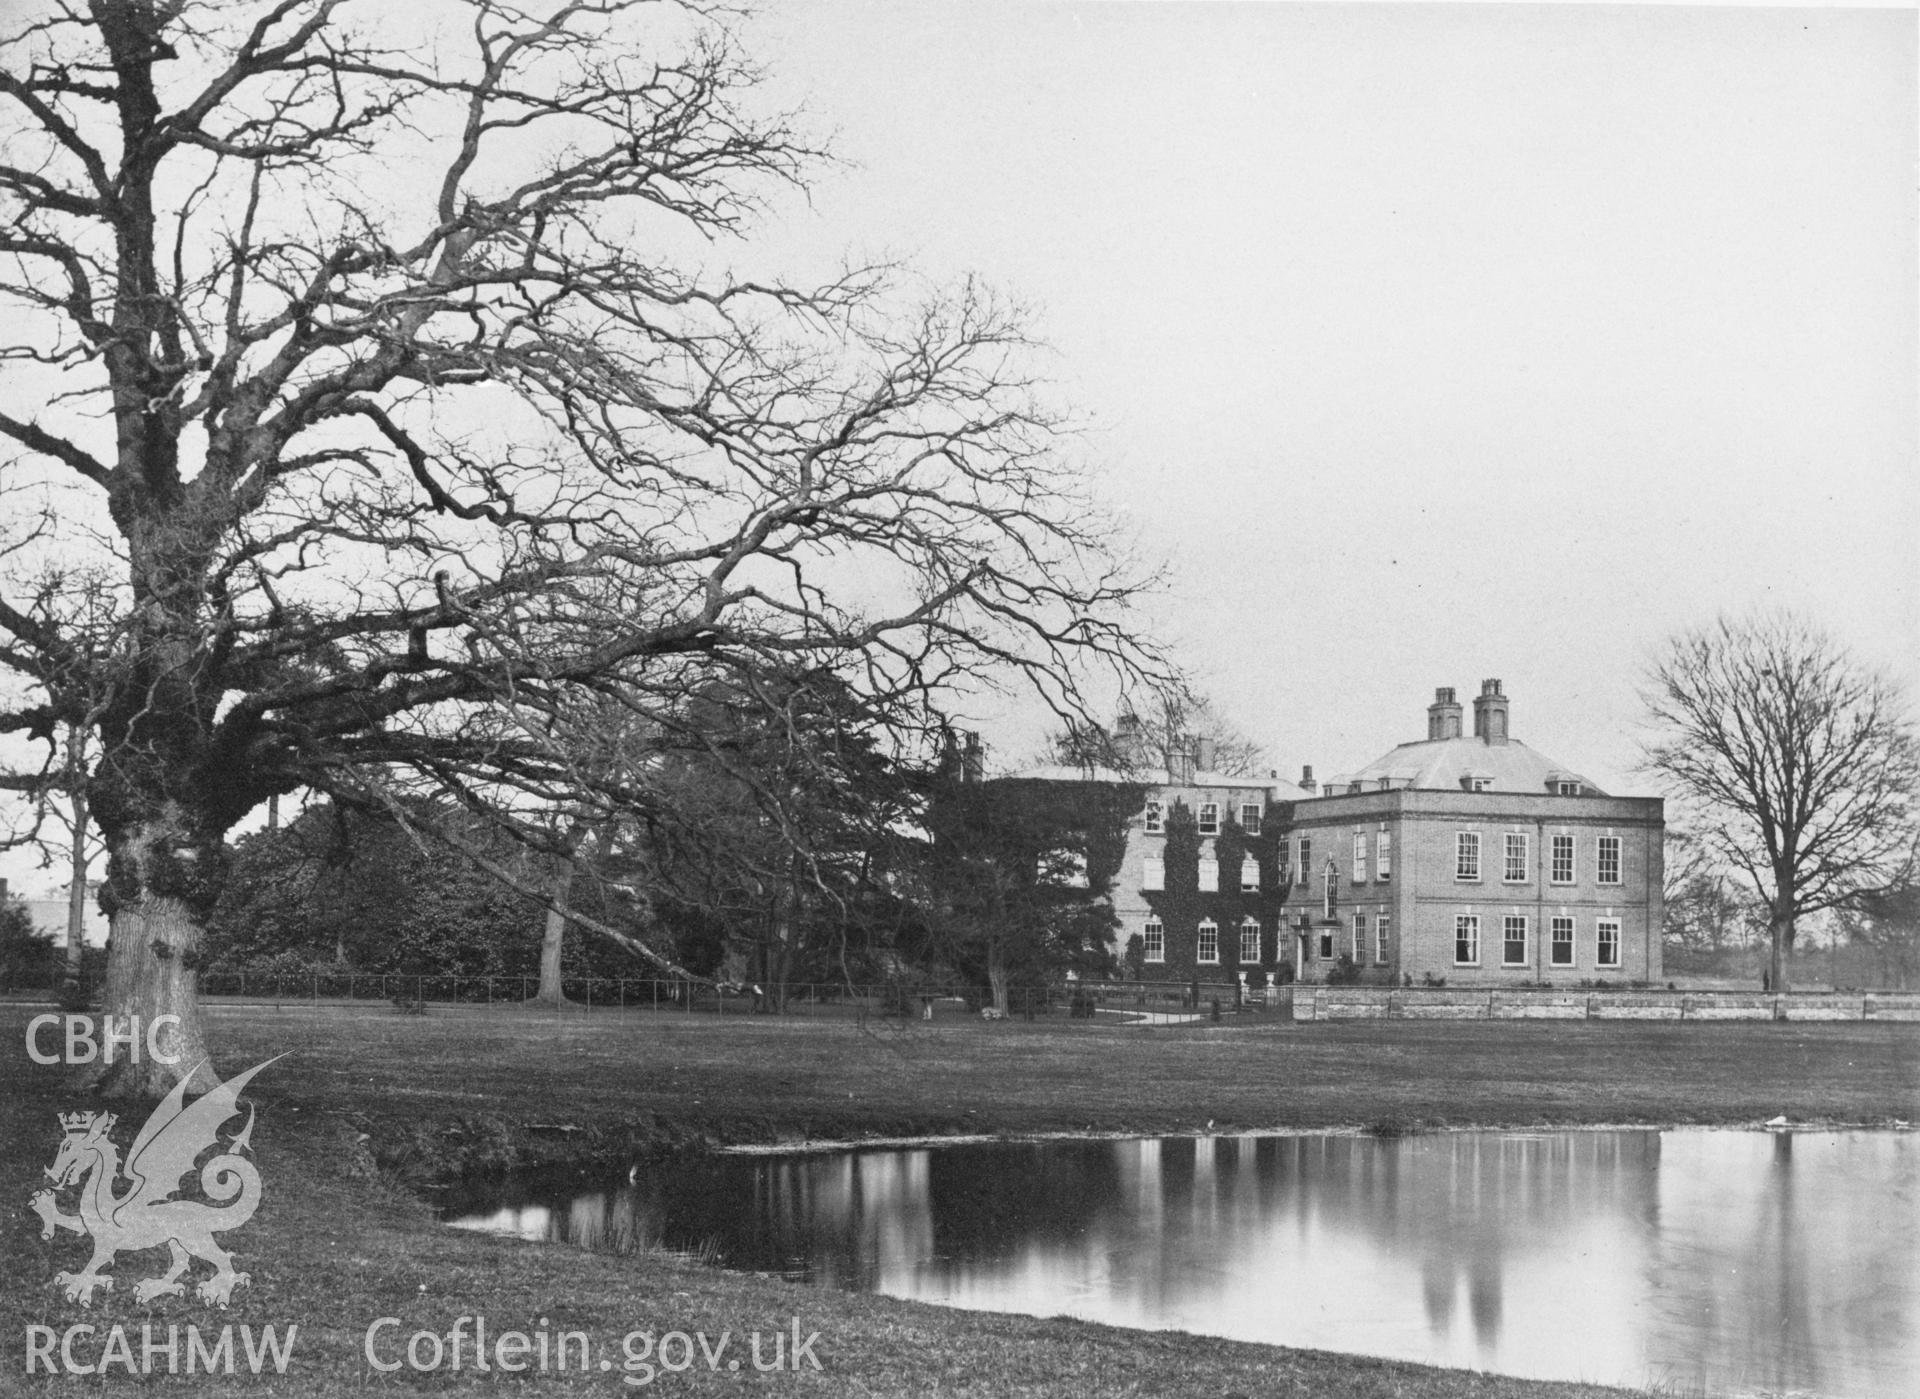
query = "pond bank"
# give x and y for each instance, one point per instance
(367, 1102)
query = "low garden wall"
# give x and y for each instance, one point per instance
(1379, 1003)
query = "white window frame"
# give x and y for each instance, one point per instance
(1155, 818)
(1466, 857)
(1306, 862)
(1601, 847)
(1153, 872)
(1209, 875)
(1480, 784)
(1207, 929)
(1383, 856)
(1250, 928)
(1359, 939)
(1359, 857)
(1517, 852)
(1466, 929)
(1209, 818)
(1555, 943)
(1153, 939)
(1249, 874)
(1382, 936)
(1326, 889)
(1601, 928)
(1507, 924)
(1567, 789)
(1250, 817)
(1555, 844)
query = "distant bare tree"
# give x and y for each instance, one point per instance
(1705, 912)
(56, 779)
(393, 364)
(1171, 722)
(1888, 925)
(1793, 761)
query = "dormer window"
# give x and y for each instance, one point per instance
(1479, 784)
(1567, 789)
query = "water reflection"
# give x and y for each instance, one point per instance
(1728, 1262)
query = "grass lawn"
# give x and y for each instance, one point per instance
(369, 1098)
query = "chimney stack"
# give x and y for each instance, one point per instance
(972, 759)
(1306, 777)
(1490, 713)
(1204, 753)
(1443, 715)
(1180, 761)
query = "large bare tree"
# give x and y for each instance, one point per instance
(388, 352)
(1793, 761)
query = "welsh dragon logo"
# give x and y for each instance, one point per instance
(145, 1215)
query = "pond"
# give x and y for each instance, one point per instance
(1727, 1262)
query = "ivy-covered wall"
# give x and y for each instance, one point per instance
(1182, 906)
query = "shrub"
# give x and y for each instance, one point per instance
(1346, 972)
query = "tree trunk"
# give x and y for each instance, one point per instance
(152, 970)
(1781, 928)
(776, 960)
(552, 992)
(77, 901)
(997, 973)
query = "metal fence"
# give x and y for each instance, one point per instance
(677, 995)
(1154, 1000)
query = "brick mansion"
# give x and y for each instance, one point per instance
(1471, 859)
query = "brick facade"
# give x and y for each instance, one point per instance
(1555, 880)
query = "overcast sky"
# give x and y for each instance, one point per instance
(1424, 343)
(1429, 343)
